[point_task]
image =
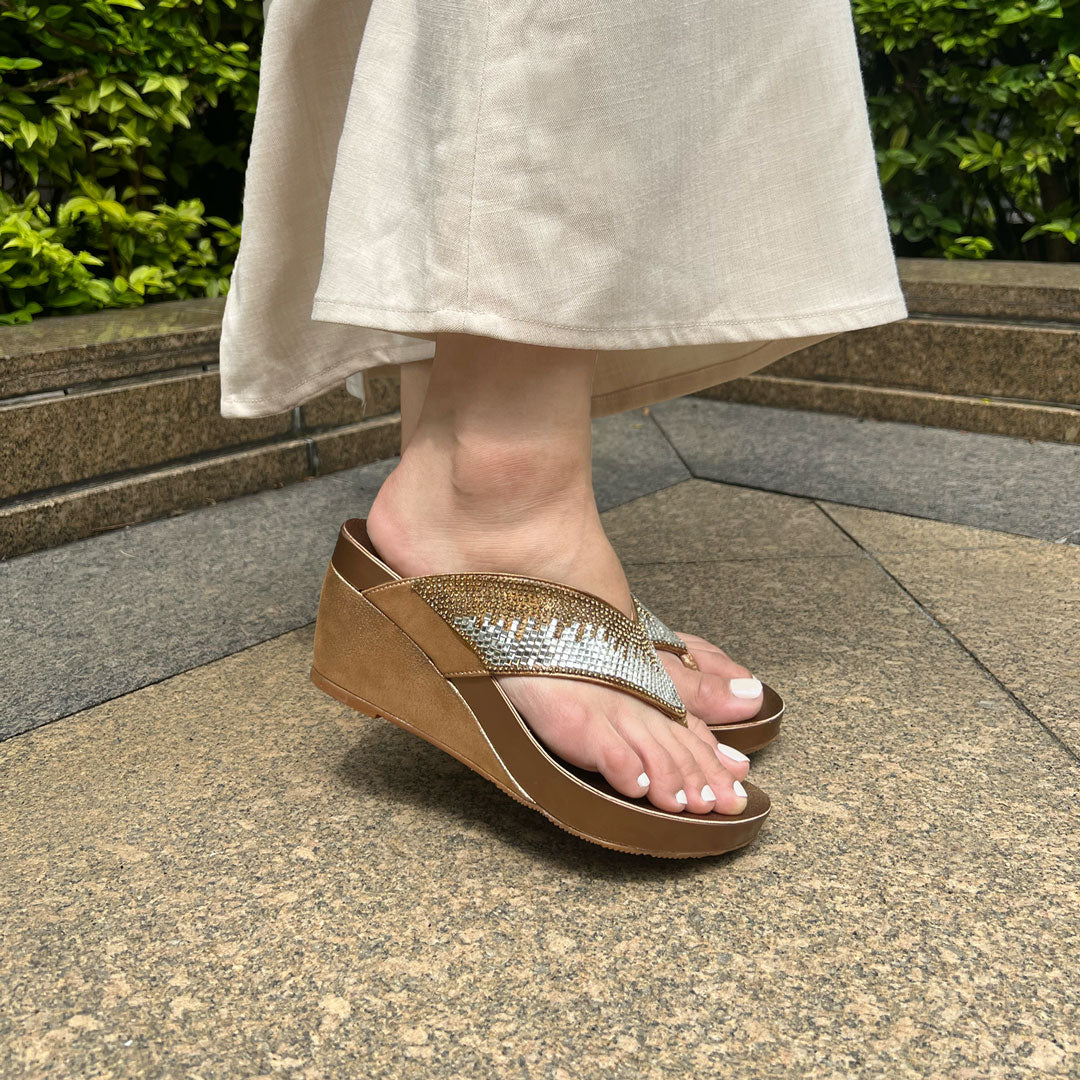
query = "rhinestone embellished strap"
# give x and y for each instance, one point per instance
(661, 635)
(521, 625)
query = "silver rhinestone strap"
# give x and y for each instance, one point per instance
(659, 633)
(521, 625)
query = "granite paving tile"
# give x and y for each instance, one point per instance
(988, 481)
(228, 874)
(102, 616)
(1014, 602)
(631, 457)
(702, 521)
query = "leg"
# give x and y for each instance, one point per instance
(720, 691)
(414, 383)
(497, 476)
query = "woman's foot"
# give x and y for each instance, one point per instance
(720, 691)
(592, 726)
(497, 478)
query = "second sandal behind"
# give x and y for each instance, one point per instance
(423, 652)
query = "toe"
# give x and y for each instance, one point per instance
(727, 797)
(614, 758)
(734, 761)
(667, 787)
(716, 698)
(696, 770)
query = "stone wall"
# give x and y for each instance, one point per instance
(112, 418)
(989, 346)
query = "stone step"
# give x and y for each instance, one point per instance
(949, 355)
(992, 416)
(989, 346)
(42, 520)
(63, 351)
(992, 289)
(113, 418)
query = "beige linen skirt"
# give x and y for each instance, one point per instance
(688, 188)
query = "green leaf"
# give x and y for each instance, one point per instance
(70, 298)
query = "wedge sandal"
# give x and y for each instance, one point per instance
(422, 652)
(745, 736)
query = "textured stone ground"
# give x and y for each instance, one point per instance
(226, 874)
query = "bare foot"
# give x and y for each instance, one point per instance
(423, 522)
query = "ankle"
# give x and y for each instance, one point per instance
(481, 509)
(499, 482)
(420, 527)
(519, 477)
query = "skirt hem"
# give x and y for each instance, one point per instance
(429, 323)
(562, 336)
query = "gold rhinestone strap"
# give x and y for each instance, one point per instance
(527, 626)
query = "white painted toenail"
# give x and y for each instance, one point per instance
(643, 780)
(739, 789)
(680, 797)
(747, 688)
(707, 795)
(731, 752)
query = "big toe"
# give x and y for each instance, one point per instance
(717, 699)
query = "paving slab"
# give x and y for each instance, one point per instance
(1014, 602)
(99, 617)
(631, 457)
(228, 874)
(88, 621)
(702, 521)
(988, 481)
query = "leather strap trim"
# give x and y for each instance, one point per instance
(354, 560)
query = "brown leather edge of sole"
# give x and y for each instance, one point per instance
(756, 733)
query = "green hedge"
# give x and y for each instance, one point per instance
(975, 106)
(124, 128)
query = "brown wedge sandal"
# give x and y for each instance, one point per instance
(746, 736)
(422, 652)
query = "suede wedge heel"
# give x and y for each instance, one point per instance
(746, 736)
(423, 652)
